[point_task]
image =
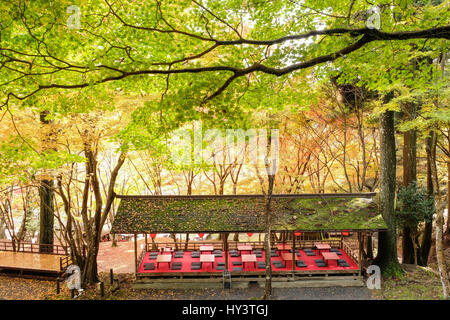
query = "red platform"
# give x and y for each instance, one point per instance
(186, 264)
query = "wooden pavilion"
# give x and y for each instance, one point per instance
(298, 221)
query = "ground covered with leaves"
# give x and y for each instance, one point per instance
(417, 283)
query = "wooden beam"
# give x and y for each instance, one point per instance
(225, 248)
(293, 251)
(135, 254)
(146, 242)
(360, 253)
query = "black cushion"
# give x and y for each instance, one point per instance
(320, 263)
(274, 254)
(149, 266)
(220, 267)
(257, 251)
(220, 263)
(176, 267)
(195, 254)
(177, 263)
(341, 260)
(195, 266)
(279, 265)
(258, 255)
(237, 263)
(234, 255)
(261, 265)
(343, 264)
(237, 269)
(218, 255)
(310, 253)
(300, 263)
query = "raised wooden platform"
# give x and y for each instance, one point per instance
(310, 281)
(30, 262)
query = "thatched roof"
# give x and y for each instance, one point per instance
(242, 213)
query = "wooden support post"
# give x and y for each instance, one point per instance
(135, 255)
(111, 276)
(101, 286)
(225, 247)
(58, 287)
(146, 243)
(359, 254)
(293, 251)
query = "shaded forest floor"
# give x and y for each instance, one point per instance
(417, 283)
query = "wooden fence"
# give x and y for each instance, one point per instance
(6, 245)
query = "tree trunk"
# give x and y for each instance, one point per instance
(439, 228)
(428, 230)
(409, 175)
(267, 248)
(46, 195)
(387, 242)
(46, 224)
(447, 232)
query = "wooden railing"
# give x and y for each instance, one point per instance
(64, 262)
(195, 245)
(141, 257)
(6, 245)
(354, 254)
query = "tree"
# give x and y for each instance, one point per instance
(413, 207)
(387, 240)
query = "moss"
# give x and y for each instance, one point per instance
(243, 214)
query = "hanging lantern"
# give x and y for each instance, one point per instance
(345, 233)
(153, 235)
(249, 234)
(297, 233)
(201, 235)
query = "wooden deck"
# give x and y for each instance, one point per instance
(37, 262)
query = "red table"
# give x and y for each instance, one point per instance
(330, 256)
(249, 258)
(287, 256)
(163, 258)
(322, 246)
(206, 258)
(244, 247)
(283, 247)
(207, 248)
